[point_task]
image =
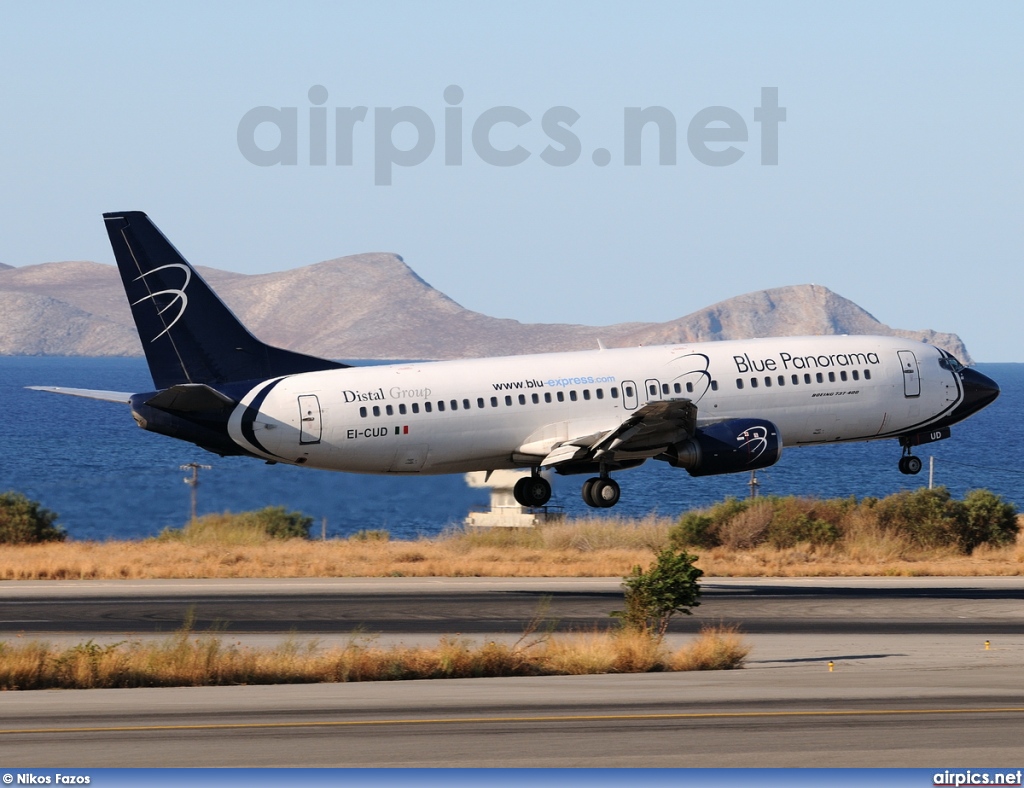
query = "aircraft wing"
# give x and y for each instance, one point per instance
(107, 396)
(647, 432)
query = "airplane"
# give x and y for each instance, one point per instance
(706, 407)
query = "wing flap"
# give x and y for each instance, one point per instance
(646, 433)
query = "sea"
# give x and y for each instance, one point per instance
(107, 479)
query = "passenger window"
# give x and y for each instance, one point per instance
(753, 383)
(628, 390)
(867, 374)
(615, 393)
(560, 396)
(479, 402)
(677, 388)
(856, 375)
(362, 412)
(440, 406)
(714, 385)
(586, 393)
(415, 407)
(536, 398)
(508, 400)
(689, 388)
(376, 410)
(767, 381)
(653, 390)
(842, 375)
(389, 410)
(522, 399)
(401, 409)
(664, 388)
(831, 377)
(796, 380)
(782, 380)
(807, 377)
(428, 407)
(572, 395)
(455, 404)
(494, 402)
(547, 396)
(600, 393)
(739, 383)
(818, 377)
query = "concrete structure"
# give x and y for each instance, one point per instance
(505, 511)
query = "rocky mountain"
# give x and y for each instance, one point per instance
(375, 306)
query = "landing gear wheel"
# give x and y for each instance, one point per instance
(910, 465)
(601, 493)
(532, 491)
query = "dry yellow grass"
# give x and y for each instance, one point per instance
(206, 660)
(578, 548)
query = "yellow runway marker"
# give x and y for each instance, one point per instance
(495, 720)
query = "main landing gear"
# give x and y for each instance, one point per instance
(601, 492)
(532, 491)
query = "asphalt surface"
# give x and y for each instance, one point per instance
(479, 605)
(912, 683)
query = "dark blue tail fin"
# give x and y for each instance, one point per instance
(189, 335)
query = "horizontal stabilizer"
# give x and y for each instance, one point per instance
(107, 396)
(191, 397)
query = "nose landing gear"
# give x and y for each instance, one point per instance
(909, 464)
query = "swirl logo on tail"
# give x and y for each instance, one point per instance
(179, 297)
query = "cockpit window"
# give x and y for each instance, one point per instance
(950, 363)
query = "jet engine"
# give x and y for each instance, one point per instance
(727, 447)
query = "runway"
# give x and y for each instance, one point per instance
(992, 606)
(912, 683)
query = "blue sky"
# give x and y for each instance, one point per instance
(900, 181)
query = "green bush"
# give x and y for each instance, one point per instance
(279, 524)
(26, 522)
(703, 527)
(988, 519)
(695, 529)
(801, 528)
(273, 522)
(806, 521)
(669, 586)
(928, 518)
(924, 519)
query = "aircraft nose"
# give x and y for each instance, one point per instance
(979, 391)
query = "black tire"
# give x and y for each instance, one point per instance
(537, 491)
(519, 492)
(912, 465)
(588, 487)
(605, 493)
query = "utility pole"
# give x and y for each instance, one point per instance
(753, 484)
(931, 472)
(193, 481)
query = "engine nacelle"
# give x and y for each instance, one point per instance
(728, 447)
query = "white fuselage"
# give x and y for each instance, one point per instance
(484, 414)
